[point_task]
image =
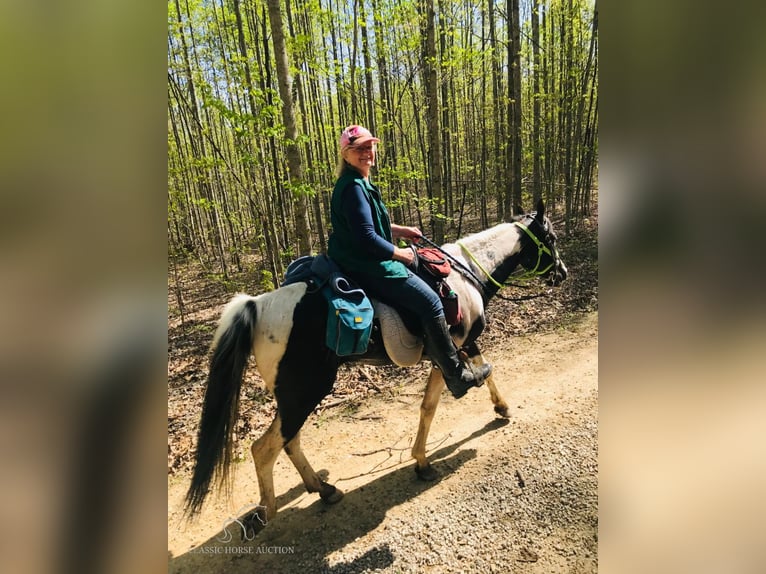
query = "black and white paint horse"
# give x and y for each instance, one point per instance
(285, 329)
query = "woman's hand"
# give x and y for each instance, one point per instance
(404, 254)
(405, 232)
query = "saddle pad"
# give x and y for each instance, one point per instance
(404, 348)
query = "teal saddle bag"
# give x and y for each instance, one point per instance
(349, 310)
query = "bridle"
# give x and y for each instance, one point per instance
(542, 249)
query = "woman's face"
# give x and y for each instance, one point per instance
(361, 157)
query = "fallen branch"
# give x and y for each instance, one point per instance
(368, 418)
(390, 449)
(334, 403)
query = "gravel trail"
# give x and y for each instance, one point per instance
(515, 495)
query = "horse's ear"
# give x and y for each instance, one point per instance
(540, 208)
(518, 210)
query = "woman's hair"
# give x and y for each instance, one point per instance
(342, 165)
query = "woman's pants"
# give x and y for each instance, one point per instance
(411, 293)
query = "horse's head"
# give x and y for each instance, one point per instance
(539, 255)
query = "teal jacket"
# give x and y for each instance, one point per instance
(343, 246)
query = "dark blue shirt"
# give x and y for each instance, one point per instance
(357, 210)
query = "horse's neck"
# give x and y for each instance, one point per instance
(496, 250)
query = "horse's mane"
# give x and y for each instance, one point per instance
(485, 239)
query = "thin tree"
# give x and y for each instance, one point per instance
(197, 141)
(294, 165)
(266, 218)
(368, 85)
(513, 197)
(498, 117)
(567, 35)
(445, 116)
(582, 195)
(431, 85)
(537, 190)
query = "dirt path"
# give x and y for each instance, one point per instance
(515, 496)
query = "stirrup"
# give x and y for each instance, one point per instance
(479, 378)
(458, 387)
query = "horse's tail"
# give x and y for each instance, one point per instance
(231, 348)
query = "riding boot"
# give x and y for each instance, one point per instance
(443, 354)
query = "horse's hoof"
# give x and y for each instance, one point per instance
(427, 474)
(502, 410)
(331, 495)
(251, 526)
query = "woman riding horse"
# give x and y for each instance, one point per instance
(362, 245)
(285, 330)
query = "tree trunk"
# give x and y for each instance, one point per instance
(385, 130)
(206, 194)
(537, 190)
(548, 129)
(370, 122)
(431, 85)
(294, 166)
(514, 109)
(266, 218)
(272, 200)
(483, 159)
(445, 122)
(584, 165)
(501, 143)
(569, 90)
(352, 68)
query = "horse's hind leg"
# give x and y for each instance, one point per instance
(476, 358)
(434, 388)
(311, 479)
(265, 451)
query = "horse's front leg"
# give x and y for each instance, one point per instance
(473, 354)
(433, 393)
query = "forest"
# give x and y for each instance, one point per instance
(480, 107)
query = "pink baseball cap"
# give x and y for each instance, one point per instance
(356, 135)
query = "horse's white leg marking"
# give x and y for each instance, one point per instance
(501, 407)
(265, 451)
(431, 398)
(310, 478)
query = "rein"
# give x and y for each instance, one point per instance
(467, 272)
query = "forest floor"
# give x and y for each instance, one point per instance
(516, 494)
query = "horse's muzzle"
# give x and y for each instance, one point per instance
(557, 276)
